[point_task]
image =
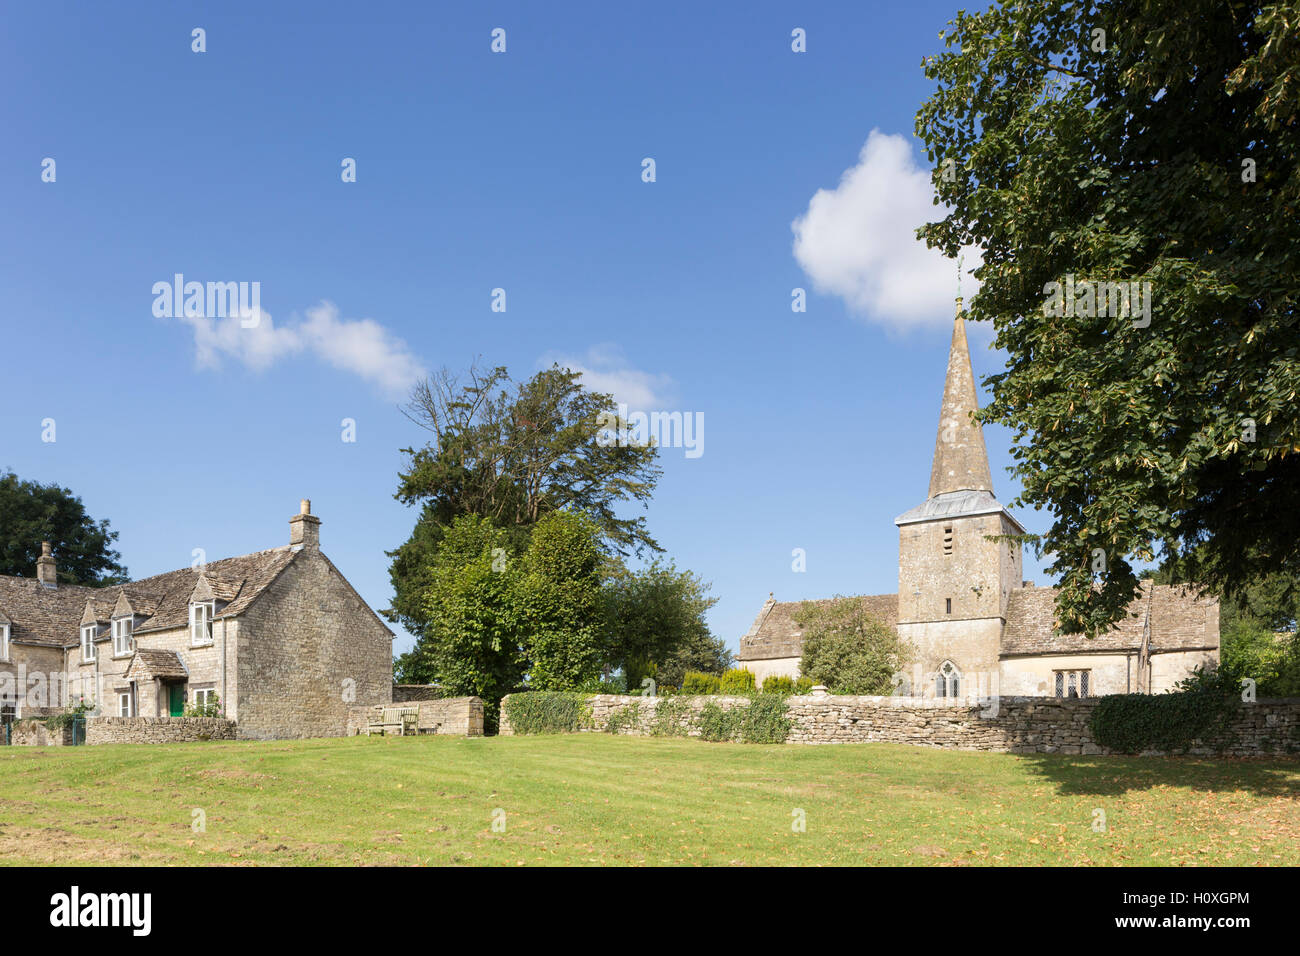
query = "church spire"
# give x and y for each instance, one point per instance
(960, 460)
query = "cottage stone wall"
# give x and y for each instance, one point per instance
(309, 651)
(1007, 724)
(157, 730)
(458, 716)
(31, 678)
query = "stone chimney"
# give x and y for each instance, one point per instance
(304, 529)
(46, 569)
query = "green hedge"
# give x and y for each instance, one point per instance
(1200, 709)
(548, 712)
(780, 684)
(736, 681)
(695, 682)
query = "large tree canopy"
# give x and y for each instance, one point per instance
(514, 453)
(1153, 141)
(655, 625)
(31, 513)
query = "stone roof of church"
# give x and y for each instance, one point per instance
(775, 633)
(1180, 620)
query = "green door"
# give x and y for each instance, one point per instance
(176, 700)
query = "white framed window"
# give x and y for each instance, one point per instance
(204, 697)
(88, 643)
(201, 622)
(124, 704)
(4, 642)
(947, 682)
(123, 643)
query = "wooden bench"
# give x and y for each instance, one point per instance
(398, 720)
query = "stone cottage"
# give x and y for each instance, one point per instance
(978, 628)
(278, 640)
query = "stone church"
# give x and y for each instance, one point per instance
(977, 627)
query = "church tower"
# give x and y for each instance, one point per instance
(954, 583)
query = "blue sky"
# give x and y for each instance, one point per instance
(477, 170)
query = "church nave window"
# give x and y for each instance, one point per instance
(947, 682)
(1073, 683)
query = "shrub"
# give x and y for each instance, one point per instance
(849, 650)
(717, 724)
(672, 718)
(210, 709)
(695, 682)
(765, 720)
(803, 685)
(548, 712)
(1199, 709)
(778, 684)
(1250, 648)
(620, 720)
(737, 681)
(596, 685)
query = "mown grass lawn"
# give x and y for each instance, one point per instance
(597, 799)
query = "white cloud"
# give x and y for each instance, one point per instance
(605, 368)
(360, 346)
(858, 241)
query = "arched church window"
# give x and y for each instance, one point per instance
(947, 681)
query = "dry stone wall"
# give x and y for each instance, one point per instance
(157, 730)
(37, 733)
(458, 716)
(1008, 724)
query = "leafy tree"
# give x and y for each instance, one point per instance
(31, 513)
(559, 602)
(1247, 648)
(472, 644)
(1134, 141)
(514, 452)
(700, 652)
(655, 625)
(848, 650)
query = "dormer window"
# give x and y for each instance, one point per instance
(4, 642)
(123, 642)
(201, 613)
(88, 643)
